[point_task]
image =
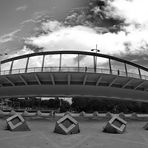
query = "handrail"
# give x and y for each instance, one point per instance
(73, 69)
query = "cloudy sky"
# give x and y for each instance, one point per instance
(118, 27)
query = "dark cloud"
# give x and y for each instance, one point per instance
(33, 47)
(127, 46)
(95, 15)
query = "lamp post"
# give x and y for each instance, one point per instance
(95, 57)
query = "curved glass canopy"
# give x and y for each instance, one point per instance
(72, 61)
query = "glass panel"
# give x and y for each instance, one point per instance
(87, 63)
(52, 60)
(118, 68)
(35, 61)
(19, 64)
(102, 62)
(102, 65)
(69, 60)
(35, 64)
(144, 74)
(5, 68)
(132, 71)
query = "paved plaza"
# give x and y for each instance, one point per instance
(90, 136)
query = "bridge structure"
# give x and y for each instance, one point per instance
(73, 73)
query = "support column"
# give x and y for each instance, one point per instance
(94, 63)
(27, 64)
(11, 67)
(139, 73)
(110, 67)
(60, 62)
(43, 60)
(126, 69)
(78, 62)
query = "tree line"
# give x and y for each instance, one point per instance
(79, 104)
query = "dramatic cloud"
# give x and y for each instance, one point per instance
(79, 38)
(118, 27)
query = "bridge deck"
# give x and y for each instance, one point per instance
(73, 78)
(73, 84)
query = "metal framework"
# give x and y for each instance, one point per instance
(76, 78)
(93, 68)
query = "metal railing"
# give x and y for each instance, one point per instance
(74, 69)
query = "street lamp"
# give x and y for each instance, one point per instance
(96, 50)
(95, 57)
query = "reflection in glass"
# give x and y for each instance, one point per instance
(86, 62)
(102, 65)
(19, 64)
(35, 61)
(118, 68)
(132, 71)
(52, 60)
(69, 60)
(5, 68)
(35, 64)
(144, 74)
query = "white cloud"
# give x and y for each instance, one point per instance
(73, 37)
(39, 14)
(85, 38)
(21, 8)
(27, 21)
(51, 26)
(131, 10)
(9, 36)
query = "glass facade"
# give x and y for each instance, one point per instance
(5, 68)
(19, 65)
(74, 63)
(118, 68)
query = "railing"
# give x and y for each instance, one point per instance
(74, 69)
